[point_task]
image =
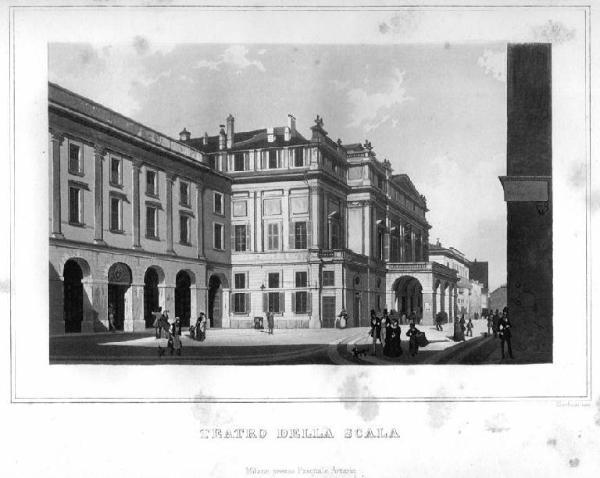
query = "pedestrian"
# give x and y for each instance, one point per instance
(505, 333)
(162, 333)
(157, 314)
(111, 318)
(462, 327)
(413, 344)
(495, 321)
(342, 318)
(403, 320)
(270, 321)
(383, 326)
(375, 330)
(459, 330)
(392, 347)
(469, 328)
(201, 330)
(439, 317)
(490, 324)
(175, 337)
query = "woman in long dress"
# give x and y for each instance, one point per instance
(392, 344)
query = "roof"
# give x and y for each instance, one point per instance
(255, 139)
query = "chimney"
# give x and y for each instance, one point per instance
(184, 135)
(230, 130)
(222, 137)
(292, 123)
(270, 135)
(205, 139)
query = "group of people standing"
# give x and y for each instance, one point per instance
(386, 330)
(499, 325)
(168, 334)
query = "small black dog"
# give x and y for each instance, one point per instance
(357, 353)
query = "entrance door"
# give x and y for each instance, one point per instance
(183, 297)
(119, 281)
(355, 320)
(328, 312)
(215, 294)
(73, 297)
(150, 295)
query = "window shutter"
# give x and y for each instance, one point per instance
(265, 302)
(292, 235)
(248, 303)
(282, 302)
(233, 237)
(231, 303)
(279, 158)
(309, 303)
(308, 234)
(246, 161)
(294, 302)
(248, 237)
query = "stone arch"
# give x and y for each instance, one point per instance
(408, 292)
(120, 300)
(154, 292)
(76, 300)
(217, 281)
(184, 281)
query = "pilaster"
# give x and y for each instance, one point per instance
(57, 139)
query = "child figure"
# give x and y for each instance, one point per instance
(470, 328)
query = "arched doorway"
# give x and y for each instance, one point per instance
(183, 282)
(119, 283)
(409, 296)
(215, 301)
(73, 296)
(151, 294)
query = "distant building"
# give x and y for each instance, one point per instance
(498, 299)
(471, 297)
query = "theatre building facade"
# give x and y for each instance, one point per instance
(233, 224)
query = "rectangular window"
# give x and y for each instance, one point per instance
(301, 302)
(335, 235)
(273, 237)
(218, 203)
(218, 236)
(213, 162)
(239, 281)
(184, 229)
(151, 183)
(299, 157)
(240, 238)
(184, 194)
(239, 303)
(116, 171)
(328, 278)
(273, 280)
(238, 162)
(75, 206)
(273, 164)
(301, 279)
(274, 302)
(75, 163)
(300, 235)
(116, 214)
(151, 222)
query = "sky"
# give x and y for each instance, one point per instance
(437, 112)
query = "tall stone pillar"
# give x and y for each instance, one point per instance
(136, 203)
(428, 306)
(225, 315)
(99, 292)
(315, 217)
(170, 180)
(56, 306)
(89, 314)
(99, 153)
(200, 223)
(57, 140)
(137, 308)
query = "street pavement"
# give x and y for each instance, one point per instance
(256, 347)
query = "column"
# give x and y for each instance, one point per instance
(200, 222)
(317, 228)
(225, 316)
(88, 323)
(57, 141)
(99, 153)
(56, 306)
(258, 212)
(428, 307)
(386, 245)
(137, 322)
(99, 289)
(136, 203)
(170, 180)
